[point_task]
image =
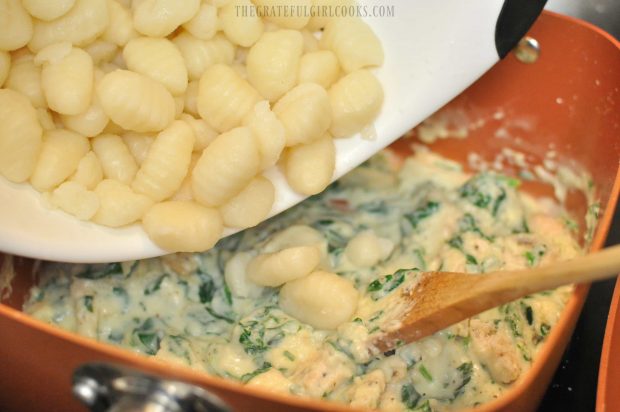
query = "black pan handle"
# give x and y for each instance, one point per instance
(515, 19)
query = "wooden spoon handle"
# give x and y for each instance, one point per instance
(589, 268)
(445, 298)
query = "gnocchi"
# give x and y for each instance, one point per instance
(321, 299)
(61, 152)
(355, 101)
(224, 98)
(273, 63)
(183, 226)
(20, 136)
(166, 163)
(116, 160)
(354, 42)
(309, 168)
(250, 206)
(159, 18)
(124, 111)
(66, 78)
(275, 269)
(225, 167)
(158, 59)
(135, 102)
(118, 204)
(305, 113)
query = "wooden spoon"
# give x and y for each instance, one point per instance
(441, 299)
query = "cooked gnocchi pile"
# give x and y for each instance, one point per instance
(167, 112)
(290, 306)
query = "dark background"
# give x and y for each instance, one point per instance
(574, 385)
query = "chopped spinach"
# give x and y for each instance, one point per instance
(528, 312)
(421, 213)
(288, 355)
(456, 242)
(253, 343)
(148, 336)
(219, 316)
(468, 224)
(466, 370)
(155, 285)
(95, 272)
(88, 303)
(486, 191)
(382, 286)
(409, 396)
(227, 294)
(498, 201)
(122, 294)
(471, 259)
(249, 376)
(425, 373)
(544, 329)
(533, 257)
(206, 290)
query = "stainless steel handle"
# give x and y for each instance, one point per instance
(112, 388)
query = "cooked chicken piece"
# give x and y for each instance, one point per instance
(495, 350)
(324, 373)
(366, 390)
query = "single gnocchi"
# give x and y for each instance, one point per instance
(66, 78)
(355, 101)
(224, 98)
(320, 67)
(204, 24)
(200, 54)
(183, 226)
(15, 25)
(159, 18)
(116, 160)
(89, 172)
(138, 144)
(75, 199)
(240, 22)
(82, 24)
(309, 168)
(136, 102)
(120, 30)
(20, 136)
(273, 63)
(225, 167)
(297, 19)
(250, 206)
(60, 155)
(305, 112)
(204, 134)
(159, 60)
(354, 42)
(166, 163)
(269, 133)
(118, 204)
(48, 10)
(275, 269)
(25, 77)
(321, 299)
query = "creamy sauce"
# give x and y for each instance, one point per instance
(200, 310)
